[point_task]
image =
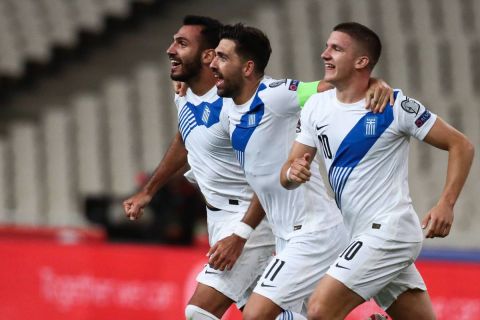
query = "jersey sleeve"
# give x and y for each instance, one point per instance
(287, 96)
(306, 134)
(413, 118)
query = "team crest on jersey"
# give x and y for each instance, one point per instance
(251, 120)
(423, 118)
(410, 106)
(370, 126)
(277, 83)
(293, 86)
(206, 114)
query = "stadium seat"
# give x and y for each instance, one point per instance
(61, 205)
(90, 153)
(154, 136)
(268, 18)
(5, 189)
(122, 136)
(27, 165)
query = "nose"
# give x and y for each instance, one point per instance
(326, 54)
(171, 49)
(213, 64)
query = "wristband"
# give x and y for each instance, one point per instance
(243, 230)
(287, 174)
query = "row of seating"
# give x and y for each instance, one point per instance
(95, 145)
(29, 29)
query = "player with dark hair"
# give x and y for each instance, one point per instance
(366, 156)
(205, 146)
(261, 119)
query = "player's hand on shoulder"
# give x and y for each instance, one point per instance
(379, 94)
(439, 220)
(180, 88)
(134, 205)
(224, 254)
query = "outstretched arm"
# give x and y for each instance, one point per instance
(223, 254)
(460, 156)
(174, 160)
(297, 168)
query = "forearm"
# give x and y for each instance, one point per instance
(175, 159)
(254, 214)
(460, 157)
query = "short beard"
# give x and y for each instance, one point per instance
(191, 70)
(231, 92)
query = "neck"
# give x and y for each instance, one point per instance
(353, 89)
(248, 90)
(202, 83)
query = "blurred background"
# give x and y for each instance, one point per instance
(86, 114)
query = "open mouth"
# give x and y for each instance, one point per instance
(175, 64)
(220, 80)
(329, 66)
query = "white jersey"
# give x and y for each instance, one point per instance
(210, 154)
(262, 132)
(366, 156)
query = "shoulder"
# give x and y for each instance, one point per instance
(321, 98)
(280, 85)
(406, 105)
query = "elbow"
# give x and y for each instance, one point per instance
(471, 149)
(468, 148)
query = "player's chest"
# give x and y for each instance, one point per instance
(350, 131)
(200, 119)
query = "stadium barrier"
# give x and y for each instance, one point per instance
(96, 280)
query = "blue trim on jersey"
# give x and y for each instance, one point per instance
(205, 114)
(286, 315)
(248, 123)
(355, 146)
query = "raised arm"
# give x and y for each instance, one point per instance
(460, 156)
(223, 254)
(175, 160)
(296, 169)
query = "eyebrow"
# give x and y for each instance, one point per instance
(221, 54)
(179, 38)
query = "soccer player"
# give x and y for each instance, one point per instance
(366, 156)
(202, 142)
(261, 120)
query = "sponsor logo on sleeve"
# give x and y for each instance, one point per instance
(423, 118)
(410, 106)
(293, 86)
(277, 83)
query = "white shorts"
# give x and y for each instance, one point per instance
(238, 283)
(377, 268)
(300, 263)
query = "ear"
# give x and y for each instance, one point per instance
(248, 68)
(362, 62)
(207, 56)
